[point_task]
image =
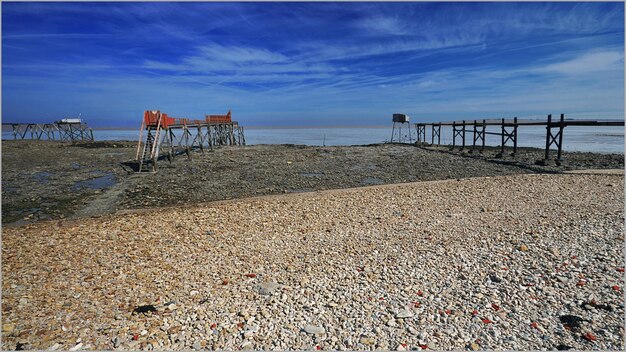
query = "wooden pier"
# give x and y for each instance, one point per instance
(60, 131)
(169, 136)
(507, 129)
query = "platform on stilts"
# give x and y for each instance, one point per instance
(162, 136)
(65, 130)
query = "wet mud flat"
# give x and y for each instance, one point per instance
(44, 180)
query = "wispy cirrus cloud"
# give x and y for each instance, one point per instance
(385, 25)
(589, 62)
(221, 57)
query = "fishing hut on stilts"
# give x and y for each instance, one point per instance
(401, 120)
(64, 130)
(162, 136)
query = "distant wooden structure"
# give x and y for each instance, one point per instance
(508, 132)
(401, 119)
(63, 130)
(180, 135)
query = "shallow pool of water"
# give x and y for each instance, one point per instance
(313, 174)
(372, 181)
(97, 183)
(42, 177)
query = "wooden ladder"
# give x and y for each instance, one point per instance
(150, 152)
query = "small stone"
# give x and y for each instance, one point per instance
(54, 347)
(20, 346)
(77, 347)
(145, 309)
(267, 288)
(474, 346)
(495, 278)
(449, 331)
(367, 341)
(315, 330)
(404, 314)
(391, 322)
(244, 313)
(522, 247)
(8, 328)
(246, 345)
(250, 330)
(197, 345)
(401, 347)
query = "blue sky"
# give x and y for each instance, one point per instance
(279, 64)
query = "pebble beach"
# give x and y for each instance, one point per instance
(509, 262)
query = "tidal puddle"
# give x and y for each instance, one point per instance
(42, 177)
(372, 181)
(101, 182)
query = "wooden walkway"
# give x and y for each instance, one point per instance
(507, 129)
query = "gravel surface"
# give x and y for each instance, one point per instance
(512, 262)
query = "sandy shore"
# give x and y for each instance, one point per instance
(505, 262)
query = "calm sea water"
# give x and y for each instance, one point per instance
(588, 139)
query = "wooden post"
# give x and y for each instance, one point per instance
(561, 126)
(514, 136)
(170, 150)
(209, 134)
(474, 136)
(463, 136)
(483, 129)
(432, 134)
(417, 130)
(502, 138)
(453, 134)
(186, 133)
(201, 139)
(548, 133)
